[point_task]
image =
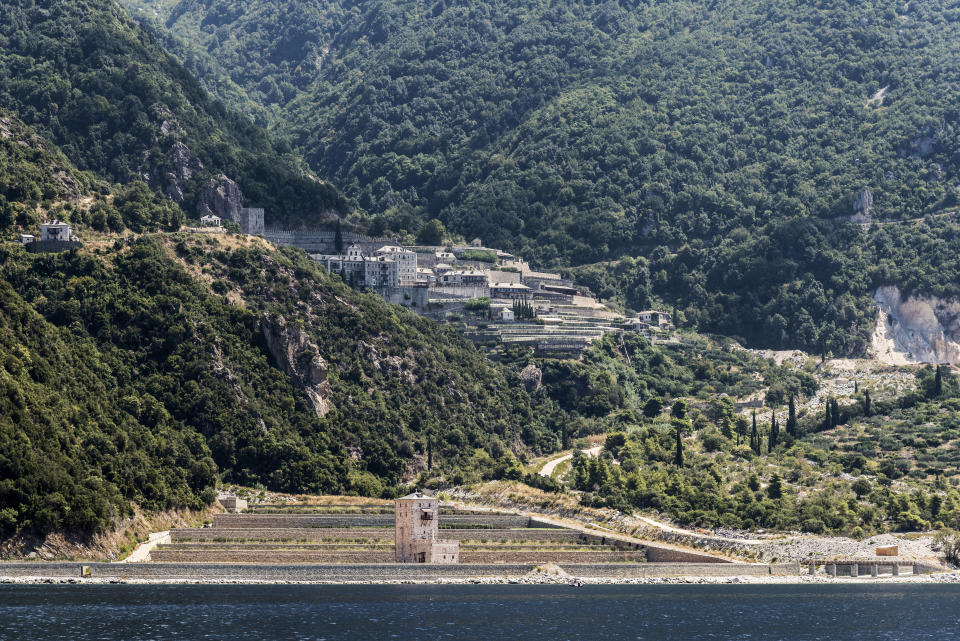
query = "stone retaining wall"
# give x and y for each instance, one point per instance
(278, 534)
(387, 556)
(337, 557)
(383, 534)
(657, 554)
(357, 520)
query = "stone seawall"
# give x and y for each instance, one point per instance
(358, 520)
(367, 572)
(261, 572)
(41, 568)
(636, 570)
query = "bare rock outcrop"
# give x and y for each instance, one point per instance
(221, 197)
(918, 329)
(531, 377)
(299, 357)
(180, 165)
(171, 175)
(863, 207)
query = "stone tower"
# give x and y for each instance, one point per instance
(416, 532)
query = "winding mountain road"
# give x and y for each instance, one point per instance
(547, 470)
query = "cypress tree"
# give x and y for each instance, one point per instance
(938, 382)
(832, 414)
(429, 451)
(755, 436)
(774, 431)
(867, 409)
(792, 418)
(338, 239)
(679, 456)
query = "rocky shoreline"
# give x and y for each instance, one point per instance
(945, 577)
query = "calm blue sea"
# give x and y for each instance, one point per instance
(528, 613)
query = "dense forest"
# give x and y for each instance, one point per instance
(584, 130)
(88, 79)
(142, 372)
(721, 146)
(145, 369)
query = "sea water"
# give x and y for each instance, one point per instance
(528, 613)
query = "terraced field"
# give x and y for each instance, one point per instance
(288, 534)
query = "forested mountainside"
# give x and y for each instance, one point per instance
(145, 369)
(615, 124)
(139, 371)
(725, 144)
(90, 80)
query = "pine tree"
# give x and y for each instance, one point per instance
(792, 418)
(741, 429)
(725, 428)
(338, 239)
(867, 404)
(775, 489)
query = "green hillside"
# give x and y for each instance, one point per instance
(723, 142)
(88, 79)
(144, 370)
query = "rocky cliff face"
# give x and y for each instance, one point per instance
(221, 197)
(171, 175)
(863, 207)
(920, 329)
(180, 165)
(299, 357)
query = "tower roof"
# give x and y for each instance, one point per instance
(416, 496)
